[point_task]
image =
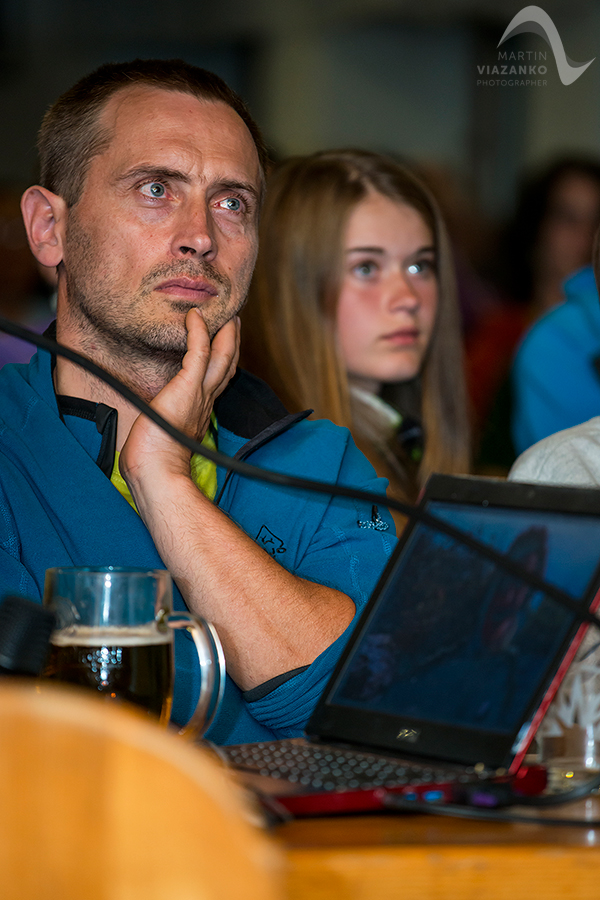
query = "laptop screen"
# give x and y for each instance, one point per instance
(452, 641)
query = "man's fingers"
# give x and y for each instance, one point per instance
(198, 352)
(225, 351)
(187, 400)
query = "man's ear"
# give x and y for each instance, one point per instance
(45, 216)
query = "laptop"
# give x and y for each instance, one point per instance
(454, 661)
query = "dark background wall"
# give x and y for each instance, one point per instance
(385, 74)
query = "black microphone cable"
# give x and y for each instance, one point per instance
(248, 470)
(412, 512)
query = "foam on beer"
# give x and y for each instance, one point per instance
(87, 636)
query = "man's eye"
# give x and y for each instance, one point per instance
(154, 189)
(231, 203)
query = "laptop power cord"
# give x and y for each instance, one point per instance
(491, 802)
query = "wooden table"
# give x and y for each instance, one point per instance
(417, 857)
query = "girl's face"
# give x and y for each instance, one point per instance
(389, 292)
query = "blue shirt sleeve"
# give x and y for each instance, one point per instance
(348, 551)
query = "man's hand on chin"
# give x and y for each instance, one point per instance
(186, 402)
(269, 620)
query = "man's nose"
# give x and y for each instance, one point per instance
(194, 233)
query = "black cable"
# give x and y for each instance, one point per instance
(569, 796)
(413, 512)
(250, 471)
(508, 797)
(483, 802)
(454, 810)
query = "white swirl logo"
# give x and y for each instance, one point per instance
(534, 19)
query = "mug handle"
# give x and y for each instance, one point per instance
(212, 670)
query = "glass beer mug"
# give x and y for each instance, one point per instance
(115, 633)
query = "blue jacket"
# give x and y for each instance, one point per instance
(59, 508)
(555, 379)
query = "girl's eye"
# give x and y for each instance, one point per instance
(421, 266)
(154, 189)
(231, 203)
(365, 269)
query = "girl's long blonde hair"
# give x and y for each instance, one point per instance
(289, 323)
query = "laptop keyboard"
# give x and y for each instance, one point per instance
(327, 768)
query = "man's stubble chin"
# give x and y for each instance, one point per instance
(105, 320)
(111, 319)
(116, 327)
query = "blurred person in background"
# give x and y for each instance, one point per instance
(550, 238)
(352, 312)
(556, 372)
(27, 290)
(552, 234)
(570, 456)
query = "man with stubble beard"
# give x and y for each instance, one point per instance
(151, 180)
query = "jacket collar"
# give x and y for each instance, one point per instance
(248, 407)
